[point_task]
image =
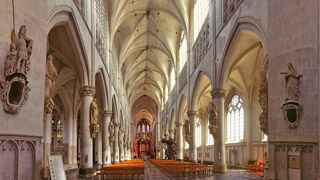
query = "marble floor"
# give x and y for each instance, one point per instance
(153, 173)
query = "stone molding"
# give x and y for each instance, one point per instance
(218, 93)
(192, 113)
(87, 91)
(106, 113)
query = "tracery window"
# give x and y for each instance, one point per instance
(210, 139)
(235, 120)
(198, 132)
(200, 13)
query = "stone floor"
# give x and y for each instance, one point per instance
(153, 173)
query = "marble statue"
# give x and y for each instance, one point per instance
(213, 120)
(187, 135)
(51, 75)
(94, 116)
(24, 51)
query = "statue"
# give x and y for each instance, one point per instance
(11, 59)
(292, 83)
(187, 135)
(94, 116)
(51, 75)
(213, 120)
(170, 147)
(291, 108)
(16, 67)
(111, 132)
(263, 100)
(24, 50)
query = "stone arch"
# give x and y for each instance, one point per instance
(64, 16)
(101, 87)
(114, 115)
(183, 106)
(172, 119)
(244, 24)
(202, 82)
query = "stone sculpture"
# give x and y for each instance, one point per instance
(213, 120)
(187, 135)
(120, 137)
(16, 67)
(94, 116)
(51, 75)
(111, 132)
(291, 108)
(170, 147)
(263, 100)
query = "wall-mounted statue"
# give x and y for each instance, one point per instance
(186, 128)
(263, 100)
(14, 90)
(291, 108)
(213, 120)
(120, 137)
(111, 132)
(94, 117)
(51, 75)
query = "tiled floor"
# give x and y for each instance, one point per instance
(153, 173)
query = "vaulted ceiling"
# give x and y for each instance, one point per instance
(147, 33)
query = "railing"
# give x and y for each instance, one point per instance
(229, 8)
(183, 78)
(201, 45)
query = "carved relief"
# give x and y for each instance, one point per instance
(229, 7)
(51, 75)
(201, 45)
(94, 116)
(291, 108)
(263, 100)
(213, 120)
(48, 105)
(14, 90)
(186, 128)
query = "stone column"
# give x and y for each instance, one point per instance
(125, 147)
(180, 141)
(193, 115)
(74, 142)
(99, 149)
(218, 96)
(116, 145)
(86, 165)
(48, 108)
(106, 154)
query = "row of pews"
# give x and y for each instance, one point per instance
(181, 167)
(124, 170)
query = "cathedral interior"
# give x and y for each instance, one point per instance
(159, 89)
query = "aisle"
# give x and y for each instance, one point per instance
(153, 173)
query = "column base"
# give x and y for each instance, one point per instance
(86, 172)
(220, 167)
(107, 164)
(179, 159)
(193, 160)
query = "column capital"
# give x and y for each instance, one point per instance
(48, 105)
(106, 113)
(192, 113)
(87, 91)
(218, 93)
(178, 124)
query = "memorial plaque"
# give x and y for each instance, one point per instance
(56, 167)
(294, 162)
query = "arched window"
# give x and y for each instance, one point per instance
(235, 120)
(183, 55)
(210, 139)
(139, 129)
(148, 128)
(143, 127)
(198, 132)
(200, 13)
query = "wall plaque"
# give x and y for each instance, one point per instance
(56, 167)
(294, 162)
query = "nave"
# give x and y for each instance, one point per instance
(157, 169)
